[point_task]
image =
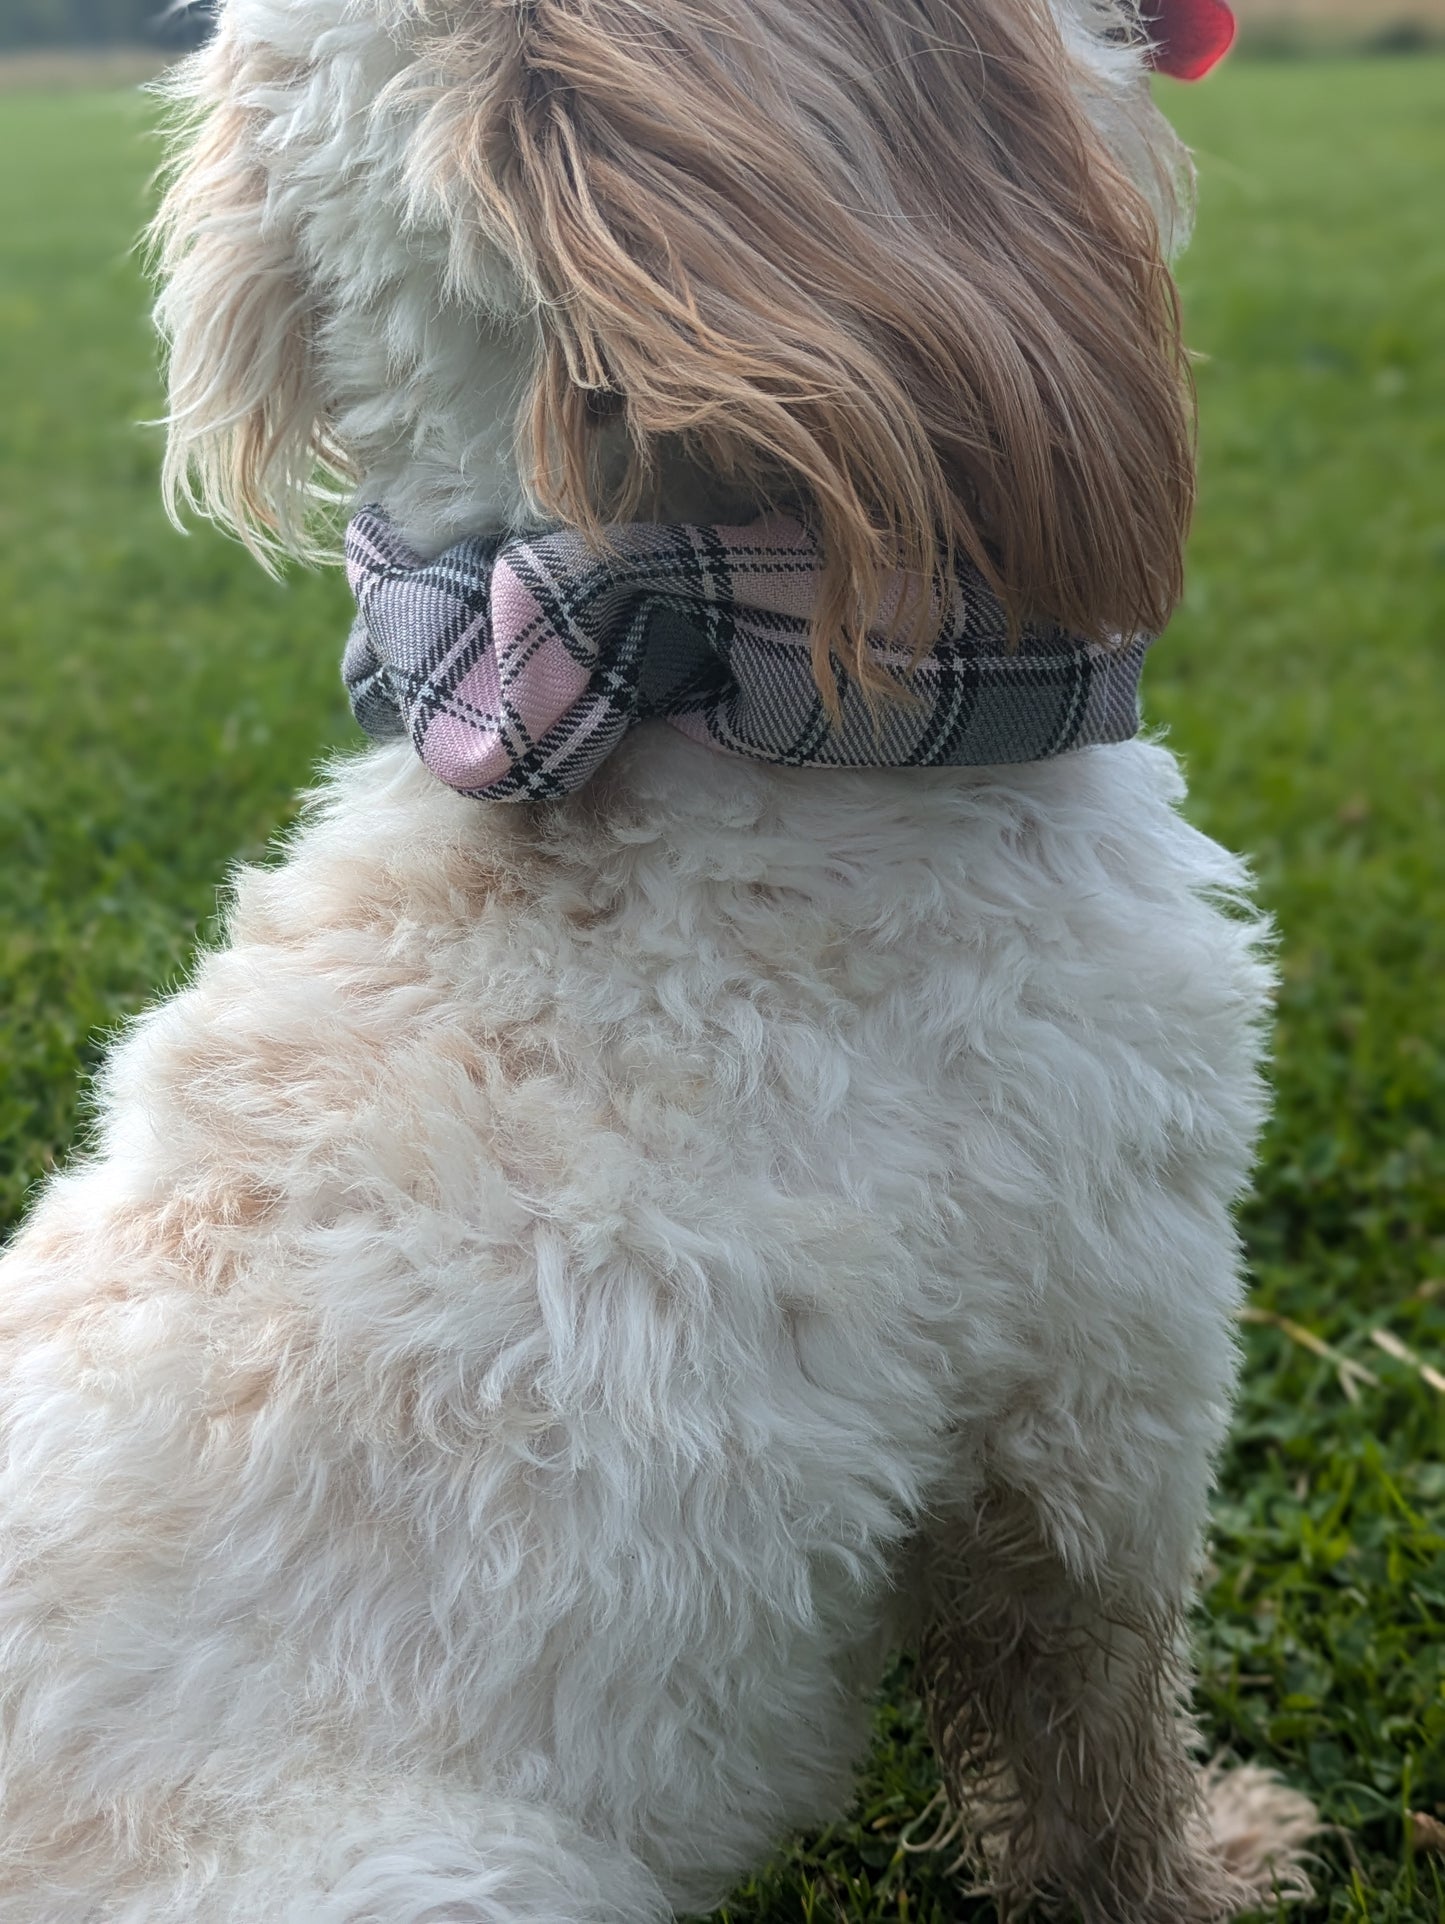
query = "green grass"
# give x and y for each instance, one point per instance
(162, 702)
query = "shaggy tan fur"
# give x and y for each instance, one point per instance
(248, 434)
(736, 220)
(1057, 1706)
(732, 228)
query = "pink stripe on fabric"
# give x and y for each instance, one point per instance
(355, 570)
(792, 588)
(756, 584)
(481, 688)
(542, 677)
(463, 755)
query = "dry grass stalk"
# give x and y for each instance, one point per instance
(1350, 1373)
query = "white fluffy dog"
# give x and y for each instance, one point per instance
(568, 1288)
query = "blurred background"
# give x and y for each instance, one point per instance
(162, 703)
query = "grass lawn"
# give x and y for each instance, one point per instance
(162, 702)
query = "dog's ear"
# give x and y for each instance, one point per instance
(875, 257)
(245, 432)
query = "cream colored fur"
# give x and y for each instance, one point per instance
(472, 1424)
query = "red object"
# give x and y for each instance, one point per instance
(1187, 37)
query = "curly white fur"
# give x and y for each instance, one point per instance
(468, 1420)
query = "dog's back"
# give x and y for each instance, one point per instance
(564, 1289)
(537, 1278)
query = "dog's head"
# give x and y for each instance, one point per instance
(899, 261)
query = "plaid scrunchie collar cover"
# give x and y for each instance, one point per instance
(516, 665)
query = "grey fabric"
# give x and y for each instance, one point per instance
(515, 666)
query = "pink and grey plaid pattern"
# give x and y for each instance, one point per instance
(516, 665)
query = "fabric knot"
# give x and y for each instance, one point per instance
(517, 664)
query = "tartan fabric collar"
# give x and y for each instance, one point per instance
(516, 665)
